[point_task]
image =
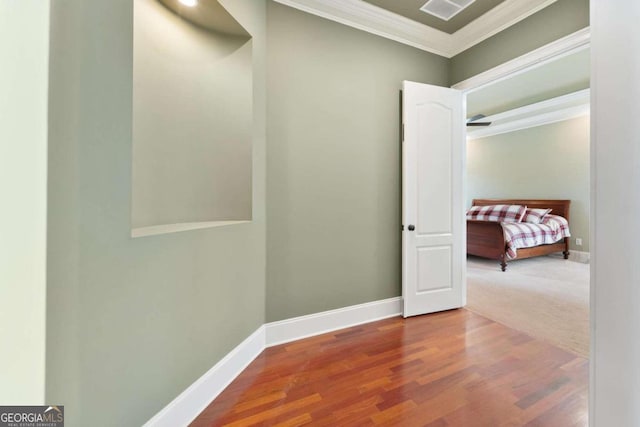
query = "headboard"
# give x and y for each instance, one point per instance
(559, 207)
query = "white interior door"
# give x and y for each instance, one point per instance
(433, 237)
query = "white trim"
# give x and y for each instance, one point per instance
(574, 256)
(530, 122)
(553, 110)
(580, 97)
(491, 23)
(373, 19)
(555, 50)
(580, 256)
(191, 402)
(327, 321)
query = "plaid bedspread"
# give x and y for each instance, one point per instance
(497, 213)
(552, 229)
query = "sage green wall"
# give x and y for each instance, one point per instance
(24, 43)
(333, 159)
(562, 18)
(191, 121)
(546, 162)
(133, 322)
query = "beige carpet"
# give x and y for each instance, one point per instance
(545, 297)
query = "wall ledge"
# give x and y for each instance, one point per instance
(155, 230)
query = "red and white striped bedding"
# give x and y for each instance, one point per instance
(552, 229)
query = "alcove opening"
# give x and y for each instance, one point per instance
(192, 117)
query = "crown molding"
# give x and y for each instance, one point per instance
(375, 20)
(497, 19)
(553, 110)
(557, 49)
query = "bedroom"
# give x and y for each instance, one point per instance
(536, 147)
(117, 304)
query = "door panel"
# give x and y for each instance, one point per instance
(434, 165)
(433, 267)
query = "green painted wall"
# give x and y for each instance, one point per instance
(333, 161)
(546, 162)
(133, 322)
(551, 23)
(24, 43)
(192, 96)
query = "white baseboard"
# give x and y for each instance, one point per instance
(576, 256)
(191, 402)
(319, 323)
(579, 256)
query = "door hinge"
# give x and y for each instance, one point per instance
(403, 132)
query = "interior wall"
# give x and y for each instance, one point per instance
(560, 19)
(192, 92)
(133, 322)
(334, 188)
(543, 162)
(24, 40)
(615, 270)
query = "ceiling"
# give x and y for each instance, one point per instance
(411, 9)
(560, 77)
(402, 20)
(552, 91)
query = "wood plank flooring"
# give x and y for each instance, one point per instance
(454, 368)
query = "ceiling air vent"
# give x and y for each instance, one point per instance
(445, 9)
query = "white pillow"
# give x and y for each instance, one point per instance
(535, 216)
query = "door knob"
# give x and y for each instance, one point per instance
(411, 227)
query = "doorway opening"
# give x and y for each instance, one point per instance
(529, 144)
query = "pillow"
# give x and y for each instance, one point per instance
(535, 216)
(497, 213)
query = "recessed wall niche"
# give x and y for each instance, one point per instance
(192, 117)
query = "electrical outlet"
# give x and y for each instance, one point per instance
(578, 241)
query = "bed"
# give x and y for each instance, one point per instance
(488, 239)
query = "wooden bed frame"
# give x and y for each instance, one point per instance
(486, 239)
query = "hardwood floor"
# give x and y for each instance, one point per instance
(447, 369)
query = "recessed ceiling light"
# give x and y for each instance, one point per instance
(189, 3)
